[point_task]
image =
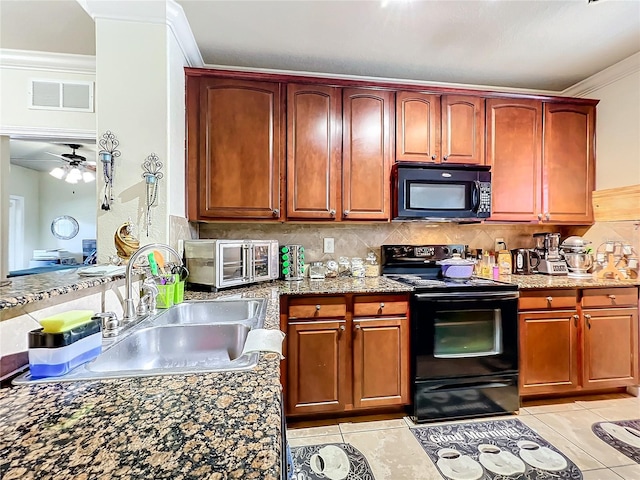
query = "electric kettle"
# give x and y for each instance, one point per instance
(524, 261)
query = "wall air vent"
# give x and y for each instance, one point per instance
(61, 95)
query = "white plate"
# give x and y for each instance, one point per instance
(335, 460)
(628, 435)
(544, 458)
(503, 463)
(461, 468)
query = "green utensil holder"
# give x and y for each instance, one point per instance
(178, 292)
(165, 295)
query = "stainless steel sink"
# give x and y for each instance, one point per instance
(192, 337)
(172, 348)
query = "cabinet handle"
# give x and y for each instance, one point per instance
(612, 297)
(332, 213)
(575, 320)
(345, 213)
(275, 212)
(549, 299)
(318, 307)
(587, 317)
(539, 216)
(547, 216)
(433, 157)
(445, 158)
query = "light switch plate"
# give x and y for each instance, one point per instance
(329, 246)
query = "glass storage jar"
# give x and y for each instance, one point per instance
(371, 267)
(332, 269)
(316, 271)
(344, 267)
(357, 267)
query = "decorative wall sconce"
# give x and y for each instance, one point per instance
(152, 176)
(108, 154)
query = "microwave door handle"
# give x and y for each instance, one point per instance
(246, 267)
(475, 197)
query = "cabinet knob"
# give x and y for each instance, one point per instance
(381, 304)
(587, 317)
(317, 307)
(549, 299)
(276, 212)
(332, 213)
(342, 328)
(575, 320)
(357, 326)
(345, 213)
(612, 297)
(433, 157)
(445, 158)
(547, 216)
(539, 216)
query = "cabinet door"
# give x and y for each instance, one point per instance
(548, 352)
(380, 362)
(568, 163)
(367, 150)
(463, 129)
(314, 151)
(241, 149)
(514, 152)
(610, 347)
(317, 366)
(417, 127)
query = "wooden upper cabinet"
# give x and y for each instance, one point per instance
(463, 129)
(240, 150)
(514, 152)
(367, 153)
(568, 162)
(314, 151)
(417, 127)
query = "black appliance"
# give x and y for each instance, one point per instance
(464, 336)
(441, 192)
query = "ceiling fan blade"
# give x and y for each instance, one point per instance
(56, 155)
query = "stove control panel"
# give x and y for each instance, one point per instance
(418, 253)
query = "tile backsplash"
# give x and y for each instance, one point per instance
(356, 240)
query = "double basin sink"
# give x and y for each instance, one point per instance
(191, 337)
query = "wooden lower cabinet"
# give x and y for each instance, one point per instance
(358, 359)
(581, 349)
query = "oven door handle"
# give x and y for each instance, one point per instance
(466, 296)
(465, 386)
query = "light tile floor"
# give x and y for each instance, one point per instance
(394, 453)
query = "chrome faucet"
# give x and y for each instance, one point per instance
(130, 314)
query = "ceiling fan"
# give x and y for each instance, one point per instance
(77, 166)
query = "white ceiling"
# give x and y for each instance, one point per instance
(542, 45)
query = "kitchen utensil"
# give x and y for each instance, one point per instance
(574, 244)
(159, 261)
(524, 261)
(152, 264)
(456, 267)
(578, 263)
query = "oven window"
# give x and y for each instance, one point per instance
(437, 196)
(467, 333)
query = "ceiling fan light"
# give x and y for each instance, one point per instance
(74, 175)
(88, 177)
(58, 172)
(71, 179)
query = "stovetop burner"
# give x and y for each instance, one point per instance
(420, 282)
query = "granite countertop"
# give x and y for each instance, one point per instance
(209, 425)
(526, 282)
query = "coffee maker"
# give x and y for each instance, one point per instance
(547, 245)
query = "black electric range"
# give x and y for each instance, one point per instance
(464, 336)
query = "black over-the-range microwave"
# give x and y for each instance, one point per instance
(441, 192)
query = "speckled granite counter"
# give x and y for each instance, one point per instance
(556, 281)
(210, 425)
(33, 288)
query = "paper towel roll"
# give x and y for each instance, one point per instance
(263, 340)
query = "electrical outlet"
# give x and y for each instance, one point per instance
(498, 244)
(328, 245)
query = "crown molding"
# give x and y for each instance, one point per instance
(615, 72)
(162, 12)
(47, 61)
(46, 133)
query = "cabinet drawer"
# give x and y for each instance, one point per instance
(316, 307)
(374, 306)
(548, 299)
(610, 297)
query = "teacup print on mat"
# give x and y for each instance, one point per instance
(493, 450)
(333, 461)
(623, 435)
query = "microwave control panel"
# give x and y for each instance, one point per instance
(485, 198)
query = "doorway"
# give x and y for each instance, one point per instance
(16, 233)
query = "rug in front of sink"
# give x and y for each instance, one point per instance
(491, 450)
(623, 435)
(333, 461)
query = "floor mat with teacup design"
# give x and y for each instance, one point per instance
(623, 435)
(332, 461)
(492, 450)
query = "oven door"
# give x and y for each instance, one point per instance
(464, 334)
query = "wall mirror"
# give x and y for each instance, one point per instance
(64, 227)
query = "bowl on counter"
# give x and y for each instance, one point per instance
(578, 262)
(456, 267)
